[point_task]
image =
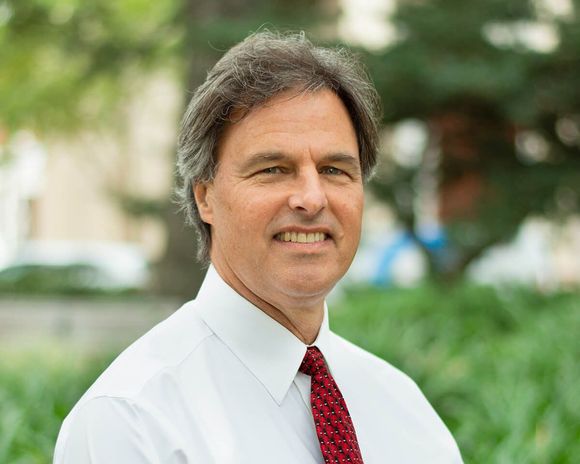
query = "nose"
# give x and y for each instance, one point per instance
(309, 196)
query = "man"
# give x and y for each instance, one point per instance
(274, 149)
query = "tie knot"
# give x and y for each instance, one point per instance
(313, 361)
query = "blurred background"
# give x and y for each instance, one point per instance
(468, 274)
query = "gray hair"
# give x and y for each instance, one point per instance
(250, 73)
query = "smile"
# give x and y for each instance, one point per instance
(301, 237)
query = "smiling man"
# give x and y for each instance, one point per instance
(274, 150)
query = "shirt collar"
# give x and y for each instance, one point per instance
(269, 350)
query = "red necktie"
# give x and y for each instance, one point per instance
(334, 426)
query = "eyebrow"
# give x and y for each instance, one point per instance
(352, 161)
(258, 159)
(261, 158)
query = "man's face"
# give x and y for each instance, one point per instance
(285, 206)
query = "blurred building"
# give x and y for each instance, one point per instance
(22, 174)
(75, 188)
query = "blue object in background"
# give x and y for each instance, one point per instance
(432, 238)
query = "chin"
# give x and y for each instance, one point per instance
(309, 286)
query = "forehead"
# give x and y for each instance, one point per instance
(291, 120)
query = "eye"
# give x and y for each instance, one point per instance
(271, 170)
(332, 171)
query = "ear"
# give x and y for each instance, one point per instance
(203, 198)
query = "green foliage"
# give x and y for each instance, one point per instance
(67, 64)
(63, 60)
(36, 393)
(465, 70)
(501, 368)
(72, 279)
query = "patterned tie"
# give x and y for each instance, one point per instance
(334, 427)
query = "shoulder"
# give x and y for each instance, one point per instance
(120, 402)
(120, 405)
(384, 381)
(98, 422)
(165, 346)
(385, 400)
(355, 358)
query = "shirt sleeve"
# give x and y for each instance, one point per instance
(103, 431)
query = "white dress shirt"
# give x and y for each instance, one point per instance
(218, 382)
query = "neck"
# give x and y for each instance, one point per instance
(303, 322)
(303, 318)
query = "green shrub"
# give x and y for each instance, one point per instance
(37, 391)
(501, 368)
(71, 279)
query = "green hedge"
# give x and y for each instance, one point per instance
(502, 369)
(37, 389)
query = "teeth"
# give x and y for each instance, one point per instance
(301, 237)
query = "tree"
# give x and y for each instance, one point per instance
(502, 116)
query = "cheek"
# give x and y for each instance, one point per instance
(248, 213)
(350, 208)
(351, 220)
(262, 207)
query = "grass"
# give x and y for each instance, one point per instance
(501, 368)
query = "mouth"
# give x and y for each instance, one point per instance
(301, 237)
